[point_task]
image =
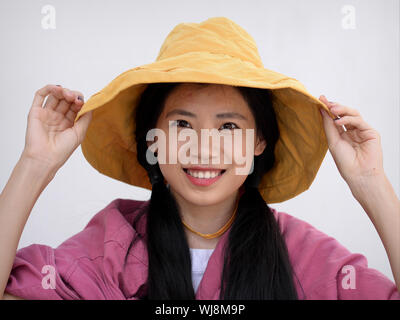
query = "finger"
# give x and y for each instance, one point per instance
(340, 110)
(63, 106)
(75, 107)
(66, 104)
(336, 108)
(73, 111)
(341, 128)
(42, 93)
(69, 95)
(78, 102)
(332, 132)
(59, 100)
(354, 122)
(325, 101)
(329, 105)
(51, 102)
(82, 124)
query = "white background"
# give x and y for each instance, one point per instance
(94, 41)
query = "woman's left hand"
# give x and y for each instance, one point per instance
(357, 152)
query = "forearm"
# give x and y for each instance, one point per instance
(379, 200)
(27, 181)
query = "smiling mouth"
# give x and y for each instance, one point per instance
(204, 174)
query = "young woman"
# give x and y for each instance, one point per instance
(207, 232)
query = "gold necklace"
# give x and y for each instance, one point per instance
(220, 231)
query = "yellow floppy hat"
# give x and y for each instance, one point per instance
(214, 51)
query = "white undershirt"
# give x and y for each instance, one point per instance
(200, 259)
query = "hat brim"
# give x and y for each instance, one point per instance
(109, 145)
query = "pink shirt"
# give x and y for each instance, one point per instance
(95, 263)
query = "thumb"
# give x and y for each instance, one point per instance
(82, 124)
(331, 130)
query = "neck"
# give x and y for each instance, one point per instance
(205, 218)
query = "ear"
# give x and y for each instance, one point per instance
(260, 146)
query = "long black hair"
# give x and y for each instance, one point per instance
(256, 260)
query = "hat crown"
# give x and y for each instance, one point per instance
(217, 35)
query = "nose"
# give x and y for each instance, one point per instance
(205, 149)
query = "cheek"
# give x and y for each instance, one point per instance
(243, 148)
(168, 148)
(177, 151)
(171, 173)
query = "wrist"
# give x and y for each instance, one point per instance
(363, 187)
(38, 169)
(374, 193)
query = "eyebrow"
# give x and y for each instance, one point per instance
(219, 115)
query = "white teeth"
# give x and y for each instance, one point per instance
(204, 174)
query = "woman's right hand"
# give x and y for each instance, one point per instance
(51, 135)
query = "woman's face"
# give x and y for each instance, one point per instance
(190, 108)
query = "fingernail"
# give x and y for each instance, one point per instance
(80, 98)
(58, 85)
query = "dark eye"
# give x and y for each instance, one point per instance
(182, 123)
(229, 126)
